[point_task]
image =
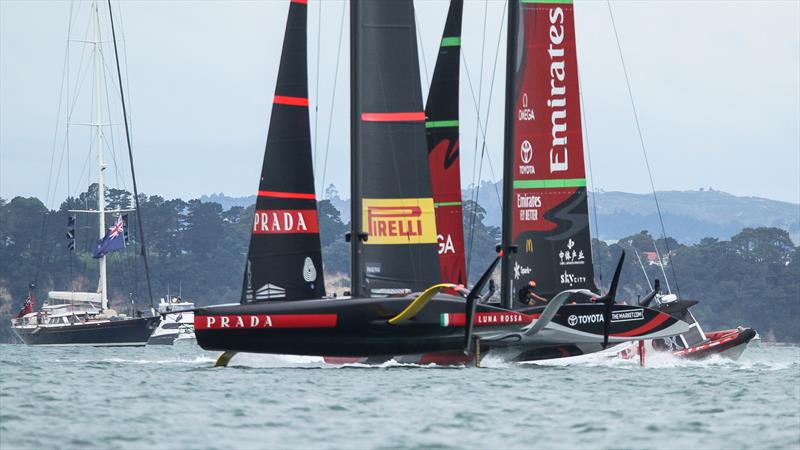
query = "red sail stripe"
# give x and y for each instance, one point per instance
(394, 117)
(254, 321)
(656, 321)
(276, 194)
(302, 2)
(292, 101)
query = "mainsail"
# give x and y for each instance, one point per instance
(443, 149)
(284, 261)
(546, 215)
(393, 222)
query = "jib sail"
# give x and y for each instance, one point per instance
(394, 224)
(284, 261)
(546, 214)
(441, 126)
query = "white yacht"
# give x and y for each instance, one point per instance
(177, 324)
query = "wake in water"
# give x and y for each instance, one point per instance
(193, 357)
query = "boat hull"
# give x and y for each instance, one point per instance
(114, 333)
(359, 328)
(728, 343)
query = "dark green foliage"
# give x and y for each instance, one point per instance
(331, 227)
(752, 280)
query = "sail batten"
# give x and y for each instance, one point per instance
(284, 260)
(393, 116)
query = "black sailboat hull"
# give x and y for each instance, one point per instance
(115, 333)
(333, 327)
(359, 327)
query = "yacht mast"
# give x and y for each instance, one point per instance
(101, 195)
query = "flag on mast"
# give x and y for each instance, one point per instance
(27, 308)
(71, 233)
(114, 240)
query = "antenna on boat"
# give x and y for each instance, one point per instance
(661, 264)
(649, 285)
(130, 157)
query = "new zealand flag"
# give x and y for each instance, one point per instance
(114, 240)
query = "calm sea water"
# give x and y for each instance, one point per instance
(171, 397)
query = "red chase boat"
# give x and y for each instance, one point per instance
(695, 343)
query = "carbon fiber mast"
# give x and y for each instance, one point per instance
(284, 259)
(442, 129)
(507, 298)
(355, 236)
(394, 224)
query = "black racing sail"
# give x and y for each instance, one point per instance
(393, 222)
(284, 261)
(441, 126)
(545, 204)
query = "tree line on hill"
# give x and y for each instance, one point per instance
(197, 249)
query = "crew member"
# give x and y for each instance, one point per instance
(528, 295)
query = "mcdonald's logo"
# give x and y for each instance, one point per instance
(528, 245)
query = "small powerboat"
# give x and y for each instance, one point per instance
(695, 343)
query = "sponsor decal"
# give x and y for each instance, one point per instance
(486, 319)
(268, 291)
(525, 113)
(265, 292)
(616, 316)
(520, 270)
(528, 207)
(373, 267)
(445, 244)
(528, 245)
(399, 221)
(583, 319)
(309, 271)
(572, 320)
(571, 256)
(249, 288)
(571, 279)
(252, 321)
(285, 221)
(526, 155)
(627, 315)
(557, 102)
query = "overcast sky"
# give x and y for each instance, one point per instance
(716, 84)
